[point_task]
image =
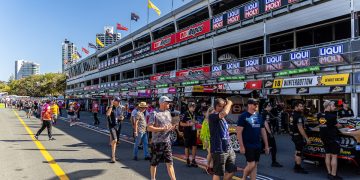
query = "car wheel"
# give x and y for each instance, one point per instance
(173, 137)
(234, 143)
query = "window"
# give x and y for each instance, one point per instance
(166, 66)
(126, 48)
(191, 61)
(343, 30)
(103, 58)
(142, 40)
(96, 81)
(228, 53)
(304, 38)
(323, 34)
(128, 74)
(88, 83)
(113, 53)
(207, 58)
(252, 48)
(282, 42)
(164, 31)
(222, 6)
(193, 18)
(144, 71)
(104, 79)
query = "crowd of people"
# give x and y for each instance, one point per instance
(152, 127)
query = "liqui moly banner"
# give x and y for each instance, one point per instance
(233, 68)
(163, 42)
(193, 72)
(193, 31)
(216, 70)
(274, 62)
(233, 16)
(331, 54)
(252, 65)
(300, 58)
(251, 9)
(272, 4)
(218, 22)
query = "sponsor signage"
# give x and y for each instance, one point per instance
(233, 68)
(253, 84)
(208, 88)
(227, 57)
(337, 89)
(331, 54)
(160, 76)
(336, 79)
(188, 89)
(125, 56)
(163, 42)
(161, 85)
(172, 90)
(268, 83)
(232, 78)
(252, 65)
(124, 89)
(140, 87)
(251, 9)
(198, 89)
(193, 72)
(96, 96)
(142, 50)
(275, 91)
(193, 31)
(162, 91)
(301, 82)
(300, 59)
(216, 70)
(272, 4)
(235, 86)
(302, 90)
(189, 83)
(277, 83)
(233, 16)
(180, 89)
(274, 63)
(298, 71)
(292, 1)
(218, 22)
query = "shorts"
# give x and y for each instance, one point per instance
(331, 147)
(71, 117)
(252, 154)
(28, 110)
(114, 133)
(299, 143)
(190, 141)
(55, 117)
(160, 152)
(224, 162)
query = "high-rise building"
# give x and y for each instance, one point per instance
(108, 37)
(26, 68)
(68, 48)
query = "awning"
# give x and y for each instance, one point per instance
(312, 91)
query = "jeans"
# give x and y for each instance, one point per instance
(142, 137)
(45, 124)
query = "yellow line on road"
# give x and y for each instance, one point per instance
(54, 166)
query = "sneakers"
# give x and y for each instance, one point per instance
(276, 164)
(331, 177)
(52, 139)
(193, 163)
(300, 170)
(188, 163)
(36, 137)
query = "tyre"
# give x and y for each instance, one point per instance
(234, 143)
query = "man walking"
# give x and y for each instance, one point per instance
(222, 153)
(299, 136)
(46, 116)
(188, 122)
(95, 111)
(140, 131)
(329, 136)
(250, 128)
(160, 125)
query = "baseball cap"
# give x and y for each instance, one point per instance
(117, 99)
(328, 103)
(163, 99)
(252, 101)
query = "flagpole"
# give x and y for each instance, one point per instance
(147, 7)
(172, 5)
(130, 26)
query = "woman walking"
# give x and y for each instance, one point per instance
(205, 138)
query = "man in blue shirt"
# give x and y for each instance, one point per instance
(222, 153)
(250, 128)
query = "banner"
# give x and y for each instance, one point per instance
(252, 65)
(274, 63)
(233, 68)
(277, 83)
(198, 88)
(336, 79)
(275, 91)
(337, 89)
(218, 22)
(268, 83)
(251, 9)
(163, 42)
(300, 59)
(233, 16)
(301, 82)
(298, 71)
(216, 70)
(163, 91)
(302, 90)
(272, 4)
(193, 72)
(331, 54)
(125, 57)
(253, 84)
(193, 31)
(172, 90)
(142, 50)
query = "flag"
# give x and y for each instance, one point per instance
(85, 50)
(99, 42)
(152, 6)
(134, 17)
(109, 34)
(75, 56)
(91, 45)
(79, 55)
(121, 27)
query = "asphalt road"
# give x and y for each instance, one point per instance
(82, 152)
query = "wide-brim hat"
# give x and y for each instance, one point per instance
(142, 105)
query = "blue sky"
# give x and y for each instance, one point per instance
(34, 29)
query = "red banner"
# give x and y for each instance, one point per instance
(193, 72)
(163, 42)
(193, 31)
(253, 84)
(159, 76)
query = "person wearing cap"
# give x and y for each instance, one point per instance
(188, 122)
(298, 135)
(140, 131)
(250, 128)
(345, 111)
(160, 124)
(267, 116)
(113, 114)
(329, 136)
(46, 117)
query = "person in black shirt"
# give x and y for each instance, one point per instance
(188, 122)
(297, 128)
(329, 136)
(267, 116)
(346, 111)
(113, 128)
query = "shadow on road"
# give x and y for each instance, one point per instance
(63, 150)
(82, 174)
(81, 160)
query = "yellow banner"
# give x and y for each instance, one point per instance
(335, 79)
(278, 83)
(198, 89)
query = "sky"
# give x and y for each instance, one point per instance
(34, 30)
